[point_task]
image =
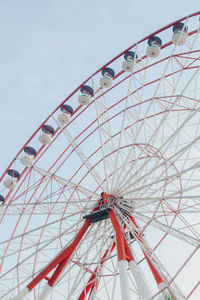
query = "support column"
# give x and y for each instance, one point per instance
(59, 262)
(159, 278)
(142, 287)
(124, 280)
(45, 293)
(91, 282)
(22, 294)
(155, 273)
(122, 254)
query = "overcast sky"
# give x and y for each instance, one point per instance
(48, 47)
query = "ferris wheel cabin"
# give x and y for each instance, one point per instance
(107, 79)
(45, 137)
(27, 159)
(179, 36)
(154, 43)
(65, 116)
(86, 94)
(130, 58)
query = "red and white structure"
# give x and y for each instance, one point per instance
(102, 201)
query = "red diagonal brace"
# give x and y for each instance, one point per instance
(91, 281)
(61, 260)
(155, 273)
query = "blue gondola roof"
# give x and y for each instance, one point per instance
(13, 173)
(130, 53)
(154, 39)
(30, 151)
(88, 89)
(47, 129)
(68, 108)
(179, 27)
(109, 70)
(2, 199)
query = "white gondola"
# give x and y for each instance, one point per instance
(45, 137)
(107, 79)
(86, 95)
(28, 159)
(153, 50)
(65, 116)
(64, 119)
(130, 58)
(127, 66)
(84, 99)
(11, 182)
(179, 36)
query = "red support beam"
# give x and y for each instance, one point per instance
(159, 278)
(155, 273)
(123, 250)
(61, 260)
(90, 284)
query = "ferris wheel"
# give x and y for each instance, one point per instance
(103, 200)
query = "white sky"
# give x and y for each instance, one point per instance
(48, 47)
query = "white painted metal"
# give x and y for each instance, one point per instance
(174, 156)
(122, 132)
(169, 230)
(162, 286)
(153, 258)
(22, 294)
(150, 106)
(81, 274)
(105, 134)
(63, 181)
(161, 269)
(124, 280)
(141, 285)
(172, 177)
(131, 181)
(47, 243)
(83, 157)
(179, 38)
(45, 292)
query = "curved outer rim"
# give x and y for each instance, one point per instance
(98, 71)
